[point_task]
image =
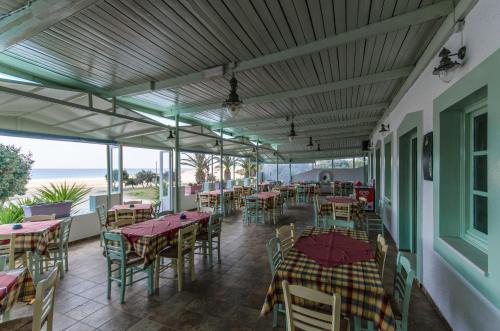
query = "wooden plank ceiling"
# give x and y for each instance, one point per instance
(120, 45)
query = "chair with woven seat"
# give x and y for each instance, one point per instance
(8, 249)
(342, 216)
(102, 215)
(211, 237)
(123, 217)
(186, 238)
(43, 307)
(307, 318)
(375, 221)
(121, 265)
(252, 210)
(273, 209)
(275, 258)
(40, 218)
(58, 250)
(380, 254)
(400, 299)
(286, 236)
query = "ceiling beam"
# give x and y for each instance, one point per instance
(326, 151)
(301, 117)
(462, 8)
(140, 133)
(395, 23)
(356, 130)
(302, 92)
(37, 17)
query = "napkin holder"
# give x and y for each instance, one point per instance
(183, 216)
(17, 226)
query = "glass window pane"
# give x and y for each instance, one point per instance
(480, 210)
(481, 173)
(481, 132)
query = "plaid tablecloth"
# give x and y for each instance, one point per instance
(154, 240)
(214, 196)
(33, 236)
(10, 281)
(266, 199)
(358, 284)
(326, 206)
(143, 212)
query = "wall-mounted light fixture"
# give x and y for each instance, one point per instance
(384, 128)
(446, 68)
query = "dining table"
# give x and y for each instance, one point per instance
(15, 285)
(341, 263)
(214, 196)
(265, 199)
(147, 239)
(33, 236)
(326, 206)
(143, 212)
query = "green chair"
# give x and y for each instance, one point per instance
(301, 194)
(120, 264)
(58, 250)
(252, 210)
(211, 237)
(275, 258)
(102, 214)
(156, 208)
(375, 221)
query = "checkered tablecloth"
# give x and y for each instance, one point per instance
(33, 236)
(214, 196)
(148, 246)
(326, 207)
(143, 212)
(265, 199)
(358, 284)
(10, 281)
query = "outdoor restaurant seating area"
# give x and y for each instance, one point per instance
(249, 165)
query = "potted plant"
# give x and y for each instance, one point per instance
(59, 199)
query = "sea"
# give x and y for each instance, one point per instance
(77, 173)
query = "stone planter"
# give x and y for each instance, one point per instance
(61, 209)
(190, 190)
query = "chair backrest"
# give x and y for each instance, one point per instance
(164, 212)
(8, 249)
(306, 318)
(43, 309)
(186, 238)
(124, 217)
(286, 236)
(380, 254)
(301, 189)
(342, 210)
(156, 208)
(132, 202)
(403, 283)
(274, 254)
(251, 204)
(39, 218)
(3, 262)
(114, 246)
(66, 230)
(102, 214)
(214, 225)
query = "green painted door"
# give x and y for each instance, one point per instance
(378, 182)
(413, 192)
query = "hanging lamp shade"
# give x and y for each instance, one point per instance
(170, 136)
(233, 102)
(383, 128)
(292, 134)
(216, 143)
(310, 146)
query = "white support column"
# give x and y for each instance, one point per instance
(277, 168)
(221, 186)
(109, 164)
(257, 167)
(177, 166)
(120, 171)
(290, 170)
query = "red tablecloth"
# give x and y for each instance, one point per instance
(332, 249)
(138, 206)
(265, 195)
(30, 227)
(6, 283)
(167, 225)
(340, 199)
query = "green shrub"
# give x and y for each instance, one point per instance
(63, 192)
(11, 213)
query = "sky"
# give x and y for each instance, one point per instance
(61, 154)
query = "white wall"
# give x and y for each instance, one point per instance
(462, 306)
(340, 174)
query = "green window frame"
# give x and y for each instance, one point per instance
(476, 186)
(388, 170)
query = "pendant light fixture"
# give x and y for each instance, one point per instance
(216, 143)
(233, 102)
(292, 134)
(310, 146)
(170, 136)
(384, 128)
(318, 149)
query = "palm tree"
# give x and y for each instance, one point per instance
(200, 162)
(227, 162)
(248, 164)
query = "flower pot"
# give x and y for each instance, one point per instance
(61, 209)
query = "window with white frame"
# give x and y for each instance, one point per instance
(475, 223)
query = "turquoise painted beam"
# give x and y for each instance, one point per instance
(37, 17)
(302, 92)
(415, 17)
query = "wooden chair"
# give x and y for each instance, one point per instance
(43, 308)
(274, 210)
(252, 210)
(286, 236)
(308, 319)
(102, 215)
(380, 254)
(211, 237)
(58, 250)
(39, 218)
(275, 258)
(186, 239)
(8, 249)
(121, 265)
(123, 217)
(301, 194)
(164, 213)
(132, 202)
(400, 300)
(375, 221)
(156, 208)
(342, 215)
